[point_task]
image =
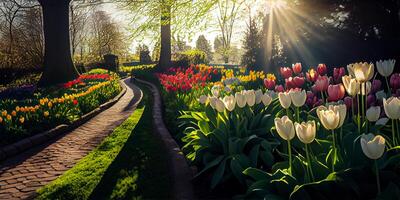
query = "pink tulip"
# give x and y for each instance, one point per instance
(321, 84)
(322, 69)
(269, 84)
(312, 75)
(337, 74)
(297, 68)
(279, 88)
(286, 72)
(336, 92)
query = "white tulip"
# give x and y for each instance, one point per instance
(392, 107)
(368, 86)
(230, 102)
(250, 97)
(372, 146)
(212, 101)
(329, 117)
(259, 95)
(215, 90)
(284, 99)
(385, 68)
(373, 113)
(203, 99)
(306, 131)
(285, 128)
(298, 97)
(240, 99)
(266, 99)
(219, 105)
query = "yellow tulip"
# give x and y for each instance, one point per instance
(17, 108)
(298, 97)
(329, 118)
(363, 72)
(285, 128)
(4, 113)
(46, 113)
(285, 99)
(306, 131)
(367, 88)
(392, 107)
(372, 146)
(13, 113)
(22, 120)
(351, 85)
(9, 117)
(50, 104)
(342, 110)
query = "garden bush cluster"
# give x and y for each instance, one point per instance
(57, 105)
(302, 134)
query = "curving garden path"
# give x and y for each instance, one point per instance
(22, 175)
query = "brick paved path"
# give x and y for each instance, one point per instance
(23, 174)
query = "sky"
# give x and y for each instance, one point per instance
(211, 31)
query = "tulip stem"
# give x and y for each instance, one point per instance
(387, 84)
(393, 132)
(298, 114)
(322, 96)
(362, 103)
(309, 163)
(333, 150)
(377, 177)
(358, 114)
(290, 157)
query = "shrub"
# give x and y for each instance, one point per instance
(191, 57)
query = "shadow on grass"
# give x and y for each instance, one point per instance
(140, 171)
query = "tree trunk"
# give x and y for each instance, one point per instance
(58, 65)
(165, 52)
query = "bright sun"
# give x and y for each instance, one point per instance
(278, 4)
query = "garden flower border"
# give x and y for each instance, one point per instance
(37, 139)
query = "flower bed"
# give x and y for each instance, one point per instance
(57, 105)
(300, 134)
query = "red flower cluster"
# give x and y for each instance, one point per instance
(86, 77)
(184, 79)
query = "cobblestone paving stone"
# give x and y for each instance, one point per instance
(22, 175)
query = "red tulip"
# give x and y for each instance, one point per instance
(322, 69)
(75, 102)
(298, 81)
(338, 73)
(321, 84)
(312, 75)
(269, 83)
(297, 68)
(336, 92)
(286, 72)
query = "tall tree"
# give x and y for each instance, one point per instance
(164, 18)
(228, 13)
(252, 44)
(203, 44)
(58, 65)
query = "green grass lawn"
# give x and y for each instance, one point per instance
(138, 171)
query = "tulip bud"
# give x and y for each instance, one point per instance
(306, 131)
(284, 127)
(363, 72)
(284, 99)
(336, 92)
(322, 69)
(240, 99)
(259, 94)
(266, 99)
(338, 73)
(269, 84)
(279, 88)
(385, 68)
(330, 118)
(250, 97)
(373, 113)
(296, 68)
(372, 147)
(203, 99)
(219, 105)
(298, 97)
(286, 72)
(312, 75)
(392, 107)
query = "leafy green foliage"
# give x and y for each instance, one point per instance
(191, 57)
